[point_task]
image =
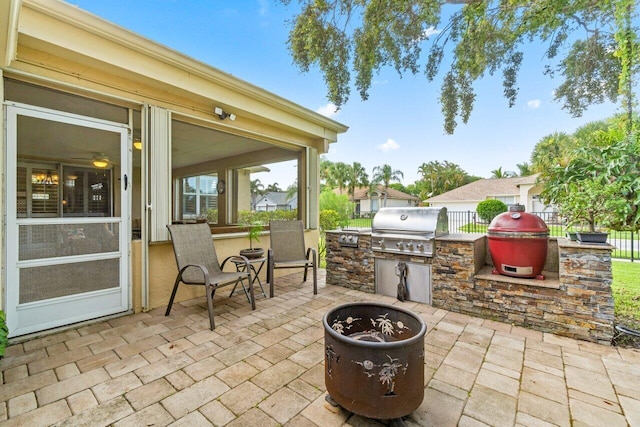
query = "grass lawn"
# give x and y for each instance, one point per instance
(626, 297)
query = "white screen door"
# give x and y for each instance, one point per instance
(67, 242)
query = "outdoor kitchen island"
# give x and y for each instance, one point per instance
(574, 300)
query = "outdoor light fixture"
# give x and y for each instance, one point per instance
(100, 161)
(137, 144)
(223, 114)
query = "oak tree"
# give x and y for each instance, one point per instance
(591, 44)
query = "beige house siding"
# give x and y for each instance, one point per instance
(521, 190)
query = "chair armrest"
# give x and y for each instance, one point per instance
(205, 271)
(313, 252)
(237, 258)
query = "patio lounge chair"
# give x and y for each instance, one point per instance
(288, 251)
(198, 264)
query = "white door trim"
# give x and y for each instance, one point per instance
(26, 318)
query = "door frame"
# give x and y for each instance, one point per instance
(19, 317)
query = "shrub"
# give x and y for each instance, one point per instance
(329, 220)
(263, 217)
(4, 341)
(212, 216)
(338, 203)
(489, 209)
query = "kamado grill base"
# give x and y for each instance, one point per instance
(374, 359)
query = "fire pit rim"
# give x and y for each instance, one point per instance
(383, 345)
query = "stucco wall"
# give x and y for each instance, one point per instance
(456, 207)
(163, 270)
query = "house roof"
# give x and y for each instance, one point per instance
(362, 193)
(277, 198)
(482, 189)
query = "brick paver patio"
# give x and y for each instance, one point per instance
(265, 368)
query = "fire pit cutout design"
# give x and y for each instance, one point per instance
(374, 359)
(383, 328)
(387, 373)
(383, 331)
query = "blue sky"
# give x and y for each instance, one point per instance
(401, 122)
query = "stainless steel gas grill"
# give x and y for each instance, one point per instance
(403, 243)
(408, 231)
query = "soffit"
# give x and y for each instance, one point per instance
(87, 43)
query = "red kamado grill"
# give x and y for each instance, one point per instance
(518, 243)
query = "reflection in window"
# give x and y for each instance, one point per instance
(200, 197)
(37, 191)
(86, 192)
(81, 192)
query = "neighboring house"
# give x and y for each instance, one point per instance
(368, 201)
(108, 135)
(521, 190)
(276, 200)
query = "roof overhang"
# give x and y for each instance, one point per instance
(61, 42)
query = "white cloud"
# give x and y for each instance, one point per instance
(379, 82)
(533, 104)
(429, 32)
(328, 110)
(264, 7)
(389, 145)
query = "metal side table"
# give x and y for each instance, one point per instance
(241, 266)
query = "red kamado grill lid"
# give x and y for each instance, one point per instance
(517, 220)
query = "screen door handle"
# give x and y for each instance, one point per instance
(126, 181)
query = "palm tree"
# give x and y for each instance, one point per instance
(339, 175)
(292, 190)
(256, 187)
(385, 174)
(275, 188)
(524, 169)
(439, 177)
(552, 150)
(357, 178)
(325, 170)
(499, 173)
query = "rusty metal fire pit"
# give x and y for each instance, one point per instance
(374, 359)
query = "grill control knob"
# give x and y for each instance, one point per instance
(420, 247)
(381, 243)
(349, 237)
(410, 246)
(400, 245)
(343, 236)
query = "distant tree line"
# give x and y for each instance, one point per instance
(435, 177)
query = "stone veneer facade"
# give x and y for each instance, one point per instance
(350, 267)
(575, 300)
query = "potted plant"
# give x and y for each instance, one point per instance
(587, 204)
(253, 228)
(596, 183)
